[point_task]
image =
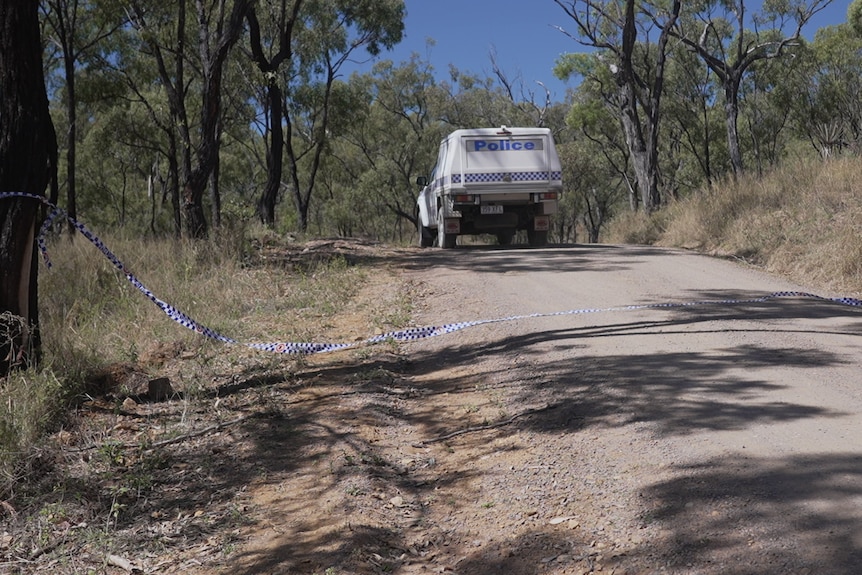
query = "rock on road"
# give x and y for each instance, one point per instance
(716, 438)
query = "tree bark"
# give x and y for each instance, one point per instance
(274, 94)
(731, 116)
(274, 157)
(211, 109)
(28, 154)
(71, 145)
(643, 146)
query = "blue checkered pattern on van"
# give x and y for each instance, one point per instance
(506, 176)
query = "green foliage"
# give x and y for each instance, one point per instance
(571, 65)
(359, 142)
(592, 191)
(854, 16)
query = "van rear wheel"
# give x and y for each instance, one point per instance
(426, 236)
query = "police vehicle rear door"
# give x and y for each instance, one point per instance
(506, 159)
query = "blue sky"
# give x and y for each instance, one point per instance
(521, 32)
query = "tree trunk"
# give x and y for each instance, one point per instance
(645, 163)
(71, 144)
(274, 157)
(215, 196)
(731, 113)
(28, 154)
(707, 154)
(211, 110)
(193, 207)
(275, 102)
(643, 156)
(637, 145)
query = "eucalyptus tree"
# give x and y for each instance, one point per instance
(597, 173)
(622, 32)
(271, 50)
(28, 162)
(123, 159)
(533, 102)
(764, 114)
(593, 191)
(302, 52)
(162, 37)
(148, 125)
(474, 101)
(78, 28)
(824, 91)
(692, 130)
(395, 139)
(166, 33)
(220, 24)
(730, 40)
(593, 117)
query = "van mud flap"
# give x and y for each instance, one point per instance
(541, 223)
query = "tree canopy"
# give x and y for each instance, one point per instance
(184, 115)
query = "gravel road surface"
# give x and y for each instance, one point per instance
(715, 438)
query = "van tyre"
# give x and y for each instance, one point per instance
(537, 239)
(505, 238)
(426, 236)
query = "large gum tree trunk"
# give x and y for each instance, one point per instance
(28, 150)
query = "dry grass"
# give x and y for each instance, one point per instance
(93, 318)
(802, 221)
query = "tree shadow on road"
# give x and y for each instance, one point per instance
(755, 506)
(560, 258)
(730, 504)
(678, 391)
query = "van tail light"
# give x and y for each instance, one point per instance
(547, 196)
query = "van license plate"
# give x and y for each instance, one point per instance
(491, 209)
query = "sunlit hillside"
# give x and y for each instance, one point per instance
(802, 221)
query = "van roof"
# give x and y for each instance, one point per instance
(501, 131)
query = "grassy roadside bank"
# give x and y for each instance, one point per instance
(104, 341)
(803, 222)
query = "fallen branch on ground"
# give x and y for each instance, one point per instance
(192, 434)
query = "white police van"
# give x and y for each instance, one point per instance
(491, 181)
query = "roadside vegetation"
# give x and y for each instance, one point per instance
(104, 341)
(801, 221)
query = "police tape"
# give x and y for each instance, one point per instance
(404, 335)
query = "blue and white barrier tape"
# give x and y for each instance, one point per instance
(405, 335)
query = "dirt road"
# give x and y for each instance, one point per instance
(714, 438)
